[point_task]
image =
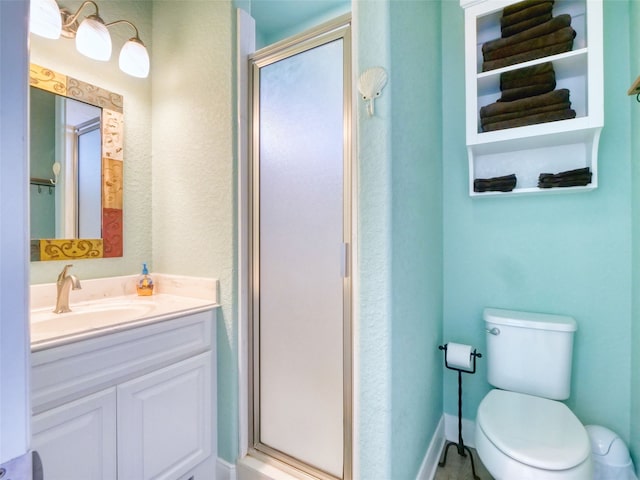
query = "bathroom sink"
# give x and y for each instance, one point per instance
(96, 313)
(87, 317)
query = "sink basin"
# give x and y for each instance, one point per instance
(45, 323)
(96, 313)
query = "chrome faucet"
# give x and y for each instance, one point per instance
(64, 283)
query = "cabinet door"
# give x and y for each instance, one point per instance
(77, 440)
(164, 421)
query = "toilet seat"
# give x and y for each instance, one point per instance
(541, 433)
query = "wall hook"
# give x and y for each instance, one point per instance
(370, 85)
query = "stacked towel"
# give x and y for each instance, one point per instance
(571, 178)
(529, 31)
(505, 183)
(528, 97)
(521, 16)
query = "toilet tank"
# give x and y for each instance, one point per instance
(530, 352)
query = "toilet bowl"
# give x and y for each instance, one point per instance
(523, 437)
(523, 431)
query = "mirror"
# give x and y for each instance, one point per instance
(76, 168)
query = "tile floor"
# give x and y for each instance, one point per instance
(459, 468)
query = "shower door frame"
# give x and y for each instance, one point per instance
(338, 29)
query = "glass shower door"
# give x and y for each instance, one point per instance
(300, 286)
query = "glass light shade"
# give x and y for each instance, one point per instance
(45, 19)
(93, 39)
(134, 59)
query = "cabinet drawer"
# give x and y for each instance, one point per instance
(61, 374)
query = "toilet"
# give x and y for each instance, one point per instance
(523, 431)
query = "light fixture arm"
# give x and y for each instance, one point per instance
(128, 23)
(70, 21)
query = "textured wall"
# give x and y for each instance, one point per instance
(634, 19)
(61, 55)
(373, 296)
(193, 168)
(416, 292)
(565, 253)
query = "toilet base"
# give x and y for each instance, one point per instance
(502, 467)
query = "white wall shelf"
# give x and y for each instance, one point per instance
(549, 147)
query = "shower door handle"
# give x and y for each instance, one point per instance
(344, 260)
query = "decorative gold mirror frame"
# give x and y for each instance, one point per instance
(112, 127)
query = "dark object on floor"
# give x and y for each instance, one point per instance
(578, 177)
(505, 183)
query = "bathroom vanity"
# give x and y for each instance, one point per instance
(126, 396)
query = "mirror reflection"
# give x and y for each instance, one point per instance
(65, 167)
(76, 141)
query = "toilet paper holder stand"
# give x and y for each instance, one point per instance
(460, 444)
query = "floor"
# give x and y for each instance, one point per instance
(459, 468)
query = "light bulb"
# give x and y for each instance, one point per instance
(93, 39)
(134, 58)
(45, 19)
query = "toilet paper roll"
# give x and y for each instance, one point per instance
(459, 356)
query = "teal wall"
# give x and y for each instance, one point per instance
(416, 225)
(568, 254)
(373, 300)
(634, 16)
(400, 238)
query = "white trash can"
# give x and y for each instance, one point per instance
(611, 459)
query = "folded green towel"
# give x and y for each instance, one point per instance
(525, 104)
(532, 111)
(564, 34)
(556, 23)
(531, 120)
(516, 7)
(512, 94)
(526, 72)
(541, 78)
(570, 178)
(530, 11)
(525, 25)
(505, 183)
(530, 55)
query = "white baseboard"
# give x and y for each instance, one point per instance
(447, 430)
(468, 430)
(430, 463)
(225, 470)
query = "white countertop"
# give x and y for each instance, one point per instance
(105, 306)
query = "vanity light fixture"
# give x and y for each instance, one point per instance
(91, 34)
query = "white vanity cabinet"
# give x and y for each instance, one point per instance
(78, 439)
(550, 147)
(133, 405)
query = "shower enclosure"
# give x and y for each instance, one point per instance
(300, 252)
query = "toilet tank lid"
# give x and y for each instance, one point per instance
(540, 321)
